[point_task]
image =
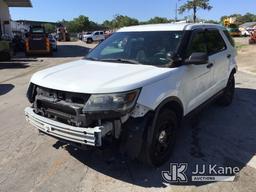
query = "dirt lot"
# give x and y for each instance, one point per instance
(29, 162)
(247, 55)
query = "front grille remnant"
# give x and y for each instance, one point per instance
(62, 106)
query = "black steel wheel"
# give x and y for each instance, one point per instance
(163, 140)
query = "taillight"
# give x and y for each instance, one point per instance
(48, 44)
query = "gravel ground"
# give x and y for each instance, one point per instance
(31, 162)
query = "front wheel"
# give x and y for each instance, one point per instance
(89, 40)
(160, 146)
(227, 97)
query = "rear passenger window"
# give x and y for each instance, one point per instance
(196, 44)
(215, 42)
(231, 40)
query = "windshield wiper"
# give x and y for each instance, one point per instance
(120, 60)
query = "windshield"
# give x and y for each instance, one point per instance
(148, 48)
(37, 30)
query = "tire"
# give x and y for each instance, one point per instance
(5, 56)
(251, 41)
(227, 97)
(50, 54)
(27, 54)
(161, 145)
(8, 57)
(89, 40)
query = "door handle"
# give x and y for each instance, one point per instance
(210, 65)
(229, 56)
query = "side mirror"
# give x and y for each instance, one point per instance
(198, 58)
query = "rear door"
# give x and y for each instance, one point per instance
(198, 78)
(219, 56)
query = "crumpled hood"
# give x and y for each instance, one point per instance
(98, 77)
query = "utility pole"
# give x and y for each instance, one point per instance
(176, 12)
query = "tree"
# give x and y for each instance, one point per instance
(156, 20)
(120, 21)
(195, 5)
(49, 28)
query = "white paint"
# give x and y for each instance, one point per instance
(169, 27)
(192, 84)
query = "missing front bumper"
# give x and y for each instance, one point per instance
(87, 136)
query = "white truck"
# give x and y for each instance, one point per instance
(136, 87)
(95, 36)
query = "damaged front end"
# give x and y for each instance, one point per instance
(85, 118)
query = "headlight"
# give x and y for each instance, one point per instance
(118, 102)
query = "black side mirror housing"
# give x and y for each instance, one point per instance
(199, 58)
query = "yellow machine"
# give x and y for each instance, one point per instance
(233, 29)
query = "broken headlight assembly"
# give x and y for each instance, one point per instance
(116, 102)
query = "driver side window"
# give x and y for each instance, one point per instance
(197, 43)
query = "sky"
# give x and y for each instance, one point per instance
(98, 11)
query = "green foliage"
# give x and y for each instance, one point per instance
(80, 24)
(156, 20)
(195, 5)
(49, 28)
(120, 21)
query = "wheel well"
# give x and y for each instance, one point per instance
(176, 107)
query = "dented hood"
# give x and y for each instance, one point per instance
(86, 76)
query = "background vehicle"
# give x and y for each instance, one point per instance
(136, 86)
(94, 36)
(252, 39)
(245, 33)
(62, 34)
(18, 43)
(234, 32)
(37, 41)
(6, 51)
(53, 42)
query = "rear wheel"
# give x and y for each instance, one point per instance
(227, 97)
(163, 140)
(5, 56)
(251, 41)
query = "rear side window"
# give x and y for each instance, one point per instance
(215, 42)
(231, 40)
(197, 43)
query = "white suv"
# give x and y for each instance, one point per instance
(136, 86)
(90, 37)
